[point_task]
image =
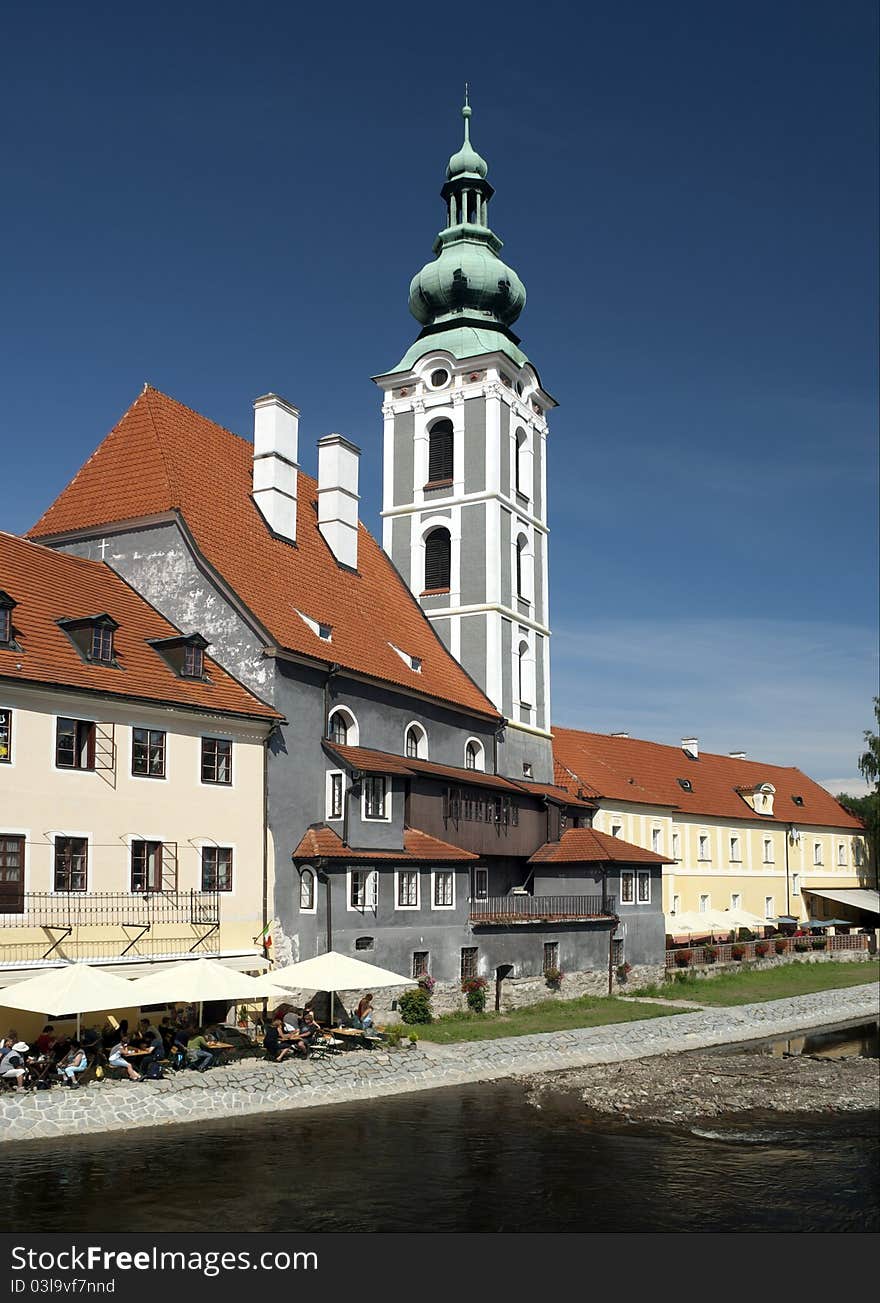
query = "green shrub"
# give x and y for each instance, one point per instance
(738, 953)
(801, 946)
(710, 954)
(819, 943)
(474, 989)
(779, 946)
(415, 1006)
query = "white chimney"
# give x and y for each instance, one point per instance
(276, 444)
(338, 497)
(620, 734)
(737, 755)
(691, 747)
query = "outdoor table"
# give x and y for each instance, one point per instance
(349, 1035)
(136, 1054)
(214, 1046)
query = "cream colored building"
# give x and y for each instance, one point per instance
(737, 833)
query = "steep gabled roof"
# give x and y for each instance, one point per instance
(589, 846)
(163, 457)
(648, 773)
(321, 842)
(49, 586)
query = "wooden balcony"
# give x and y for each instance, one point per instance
(531, 910)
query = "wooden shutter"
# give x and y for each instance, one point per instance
(440, 452)
(437, 559)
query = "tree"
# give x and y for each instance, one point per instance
(869, 760)
(867, 808)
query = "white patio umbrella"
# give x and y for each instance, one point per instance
(332, 972)
(75, 988)
(689, 924)
(741, 918)
(197, 980)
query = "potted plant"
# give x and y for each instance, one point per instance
(710, 954)
(819, 943)
(738, 953)
(779, 945)
(683, 957)
(762, 949)
(474, 989)
(801, 946)
(553, 977)
(242, 1017)
(623, 971)
(427, 983)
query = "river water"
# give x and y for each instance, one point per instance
(475, 1158)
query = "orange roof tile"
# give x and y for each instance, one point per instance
(589, 846)
(321, 842)
(49, 586)
(164, 457)
(647, 773)
(386, 762)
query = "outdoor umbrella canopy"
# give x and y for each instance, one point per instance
(332, 972)
(75, 988)
(198, 980)
(831, 922)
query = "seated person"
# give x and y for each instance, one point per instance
(60, 1048)
(364, 1013)
(151, 1038)
(12, 1064)
(116, 1060)
(166, 1031)
(198, 1055)
(309, 1031)
(274, 1043)
(74, 1062)
(90, 1040)
(46, 1039)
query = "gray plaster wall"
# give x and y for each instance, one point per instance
(473, 562)
(541, 613)
(506, 577)
(505, 449)
(540, 704)
(401, 549)
(473, 646)
(506, 676)
(404, 455)
(519, 746)
(158, 562)
(537, 495)
(474, 445)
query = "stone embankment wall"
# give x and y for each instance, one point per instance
(775, 961)
(255, 1086)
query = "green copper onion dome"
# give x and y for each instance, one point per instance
(467, 281)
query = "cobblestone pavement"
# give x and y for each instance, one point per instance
(254, 1086)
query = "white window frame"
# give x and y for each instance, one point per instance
(479, 758)
(328, 796)
(481, 873)
(616, 823)
(371, 890)
(354, 732)
(434, 874)
(735, 848)
(705, 902)
(629, 876)
(153, 778)
(736, 900)
(656, 840)
(676, 844)
(418, 877)
(795, 884)
(769, 906)
(9, 762)
(422, 751)
(313, 908)
(817, 854)
(676, 904)
(704, 848)
(204, 785)
(643, 876)
(376, 818)
(841, 855)
(768, 853)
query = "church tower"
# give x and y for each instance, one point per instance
(465, 479)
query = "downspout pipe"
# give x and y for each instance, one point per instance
(266, 846)
(356, 777)
(788, 832)
(496, 738)
(332, 671)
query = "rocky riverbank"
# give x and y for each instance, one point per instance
(680, 1088)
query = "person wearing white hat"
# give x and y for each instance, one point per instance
(12, 1066)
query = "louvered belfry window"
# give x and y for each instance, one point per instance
(437, 559)
(440, 452)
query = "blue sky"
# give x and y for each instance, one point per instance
(226, 199)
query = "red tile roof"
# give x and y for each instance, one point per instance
(49, 586)
(589, 846)
(163, 457)
(647, 773)
(384, 762)
(321, 842)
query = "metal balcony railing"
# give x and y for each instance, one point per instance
(541, 909)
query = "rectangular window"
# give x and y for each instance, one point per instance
(75, 744)
(420, 963)
(71, 863)
(334, 796)
(703, 853)
(481, 884)
(676, 845)
(676, 904)
(469, 961)
(817, 852)
(193, 662)
(551, 956)
(146, 866)
(627, 887)
(644, 886)
(374, 797)
(704, 904)
(735, 900)
(841, 854)
(102, 643)
(768, 851)
(216, 868)
(11, 874)
(363, 889)
(444, 885)
(795, 884)
(5, 737)
(616, 829)
(5, 624)
(216, 760)
(735, 853)
(655, 839)
(148, 752)
(769, 911)
(407, 889)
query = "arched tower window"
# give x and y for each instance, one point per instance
(526, 676)
(342, 727)
(438, 559)
(307, 889)
(416, 742)
(522, 464)
(440, 444)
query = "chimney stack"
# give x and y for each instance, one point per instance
(338, 461)
(620, 734)
(737, 755)
(691, 747)
(276, 444)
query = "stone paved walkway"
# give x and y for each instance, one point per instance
(254, 1086)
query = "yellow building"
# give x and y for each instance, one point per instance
(132, 780)
(738, 833)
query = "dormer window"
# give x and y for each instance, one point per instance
(685, 784)
(183, 653)
(798, 800)
(6, 607)
(92, 636)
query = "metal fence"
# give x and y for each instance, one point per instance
(772, 948)
(540, 909)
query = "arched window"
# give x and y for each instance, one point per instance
(416, 742)
(438, 558)
(473, 755)
(307, 889)
(440, 451)
(521, 464)
(526, 676)
(342, 728)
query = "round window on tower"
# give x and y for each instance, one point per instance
(439, 378)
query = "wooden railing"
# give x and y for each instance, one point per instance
(540, 909)
(723, 954)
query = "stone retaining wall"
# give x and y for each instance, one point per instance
(771, 961)
(254, 1086)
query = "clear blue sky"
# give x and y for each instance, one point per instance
(224, 199)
